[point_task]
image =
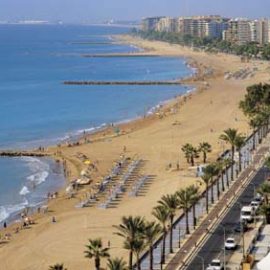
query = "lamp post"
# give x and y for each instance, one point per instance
(224, 240)
(242, 232)
(200, 257)
(202, 260)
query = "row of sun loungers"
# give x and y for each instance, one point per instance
(241, 74)
(120, 187)
(138, 185)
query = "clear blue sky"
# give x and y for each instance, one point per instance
(99, 10)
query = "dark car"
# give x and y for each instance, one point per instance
(238, 227)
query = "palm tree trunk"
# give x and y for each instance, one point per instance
(218, 191)
(151, 257)
(206, 197)
(204, 157)
(194, 216)
(130, 259)
(227, 178)
(254, 140)
(97, 263)
(138, 262)
(187, 223)
(232, 166)
(222, 181)
(163, 247)
(171, 235)
(192, 161)
(212, 192)
(240, 161)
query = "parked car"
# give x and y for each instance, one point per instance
(259, 198)
(216, 264)
(247, 213)
(238, 226)
(255, 205)
(230, 244)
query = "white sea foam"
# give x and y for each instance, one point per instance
(6, 211)
(38, 178)
(24, 191)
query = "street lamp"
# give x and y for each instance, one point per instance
(202, 260)
(224, 241)
(200, 257)
(242, 232)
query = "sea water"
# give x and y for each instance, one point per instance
(37, 109)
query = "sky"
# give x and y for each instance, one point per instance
(83, 11)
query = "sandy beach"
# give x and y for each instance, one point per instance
(157, 140)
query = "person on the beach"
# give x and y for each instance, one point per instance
(5, 225)
(53, 219)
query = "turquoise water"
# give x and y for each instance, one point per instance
(37, 109)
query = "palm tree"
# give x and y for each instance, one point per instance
(205, 148)
(212, 171)
(185, 202)
(206, 179)
(151, 232)
(221, 166)
(227, 163)
(239, 143)
(264, 190)
(191, 153)
(139, 247)
(96, 251)
(130, 230)
(57, 266)
(195, 195)
(117, 264)
(171, 203)
(265, 211)
(162, 214)
(230, 136)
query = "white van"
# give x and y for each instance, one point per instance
(247, 213)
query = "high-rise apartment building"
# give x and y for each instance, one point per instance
(150, 24)
(238, 31)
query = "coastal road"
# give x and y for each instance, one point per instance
(214, 245)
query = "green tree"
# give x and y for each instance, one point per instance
(191, 153)
(206, 179)
(265, 211)
(139, 247)
(264, 190)
(130, 229)
(195, 195)
(227, 163)
(230, 136)
(162, 214)
(212, 170)
(171, 203)
(205, 148)
(96, 251)
(117, 264)
(239, 143)
(185, 202)
(151, 233)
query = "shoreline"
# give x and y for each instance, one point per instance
(95, 131)
(157, 139)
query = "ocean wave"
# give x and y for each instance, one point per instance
(24, 191)
(8, 210)
(38, 178)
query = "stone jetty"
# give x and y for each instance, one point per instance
(122, 82)
(9, 153)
